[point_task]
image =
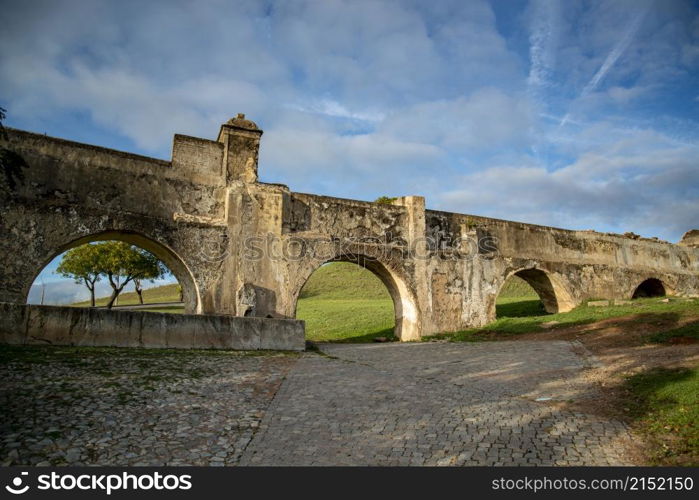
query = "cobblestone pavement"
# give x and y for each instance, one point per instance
(434, 404)
(371, 404)
(82, 406)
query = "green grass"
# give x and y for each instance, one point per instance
(519, 310)
(516, 288)
(649, 310)
(344, 281)
(352, 320)
(519, 307)
(343, 302)
(517, 300)
(155, 295)
(665, 406)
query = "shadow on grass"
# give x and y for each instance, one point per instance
(664, 405)
(386, 333)
(530, 321)
(687, 334)
(520, 309)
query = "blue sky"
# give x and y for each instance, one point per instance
(582, 115)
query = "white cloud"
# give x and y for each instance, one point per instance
(624, 95)
(643, 182)
(486, 120)
(332, 108)
(364, 97)
(344, 165)
(543, 39)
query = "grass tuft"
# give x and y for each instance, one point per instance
(664, 404)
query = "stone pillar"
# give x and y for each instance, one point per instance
(257, 266)
(415, 307)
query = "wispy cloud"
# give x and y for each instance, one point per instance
(542, 41)
(333, 108)
(613, 56)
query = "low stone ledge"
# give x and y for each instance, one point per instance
(56, 325)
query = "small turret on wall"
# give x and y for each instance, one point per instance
(241, 140)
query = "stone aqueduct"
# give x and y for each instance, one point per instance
(245, 248)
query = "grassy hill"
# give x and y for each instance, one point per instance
(517, 299)
(517, 288)
(344, 301)
(344, 280)
(155, 295)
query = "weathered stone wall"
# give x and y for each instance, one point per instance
(55, 194)
(473, 256)
(50, 325)
(245, 248)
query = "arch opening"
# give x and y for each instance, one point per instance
(652, 287)
(354, 298)
(531, 292)
(178, 293)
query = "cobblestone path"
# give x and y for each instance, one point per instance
(371, 404)
(434, 404)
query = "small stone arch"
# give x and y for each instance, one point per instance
(650, 287)
(552, 293)
(407, 325)
(190, 290)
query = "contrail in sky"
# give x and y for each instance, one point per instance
(612, 57)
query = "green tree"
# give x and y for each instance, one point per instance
(82, 264)
(118, 261)
(122, 263)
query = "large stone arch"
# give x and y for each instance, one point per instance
(553, 294)
(190, 290)
(407, 321)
